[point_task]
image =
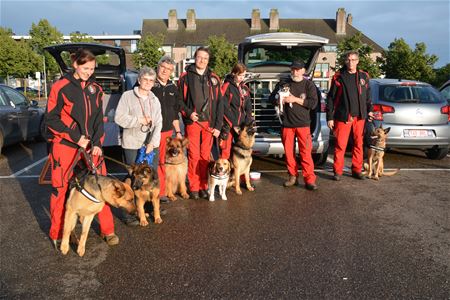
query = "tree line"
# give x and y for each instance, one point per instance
(25, 57)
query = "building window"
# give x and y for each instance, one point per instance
(190, 51)
(330, 48)
(133, 46)
(117, 43)
(322, 71)
(167, 50)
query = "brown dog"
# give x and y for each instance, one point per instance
(219, 173)
(145, 185)
(176, 167)
(101, 190)
(242, 157)
(375, 154)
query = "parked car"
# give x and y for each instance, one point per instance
(268, 58)
(417, 114)
(445, 90)
(30, 92)
(110, 73)
(20, 118)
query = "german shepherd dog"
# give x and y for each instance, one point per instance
(176, 166)
(375, 154)
(145, 185)
(101, 190)
(241, 159)
(219, 174)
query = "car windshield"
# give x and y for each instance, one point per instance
(276, 55)
(409, 94)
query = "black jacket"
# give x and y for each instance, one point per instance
(73, 111)
(215, 105)
(338, 106)
(297, 115)
(169, 99)
(237, 102)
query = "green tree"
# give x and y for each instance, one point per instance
(223, 55)
(16, 57)
(148, 51)
(43, 35)
(366, 63)
(442, 75)
(400, 61)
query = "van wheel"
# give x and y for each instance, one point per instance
(436, 153)
(320, 158)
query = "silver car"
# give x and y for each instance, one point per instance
(417, 114)
(268, 57)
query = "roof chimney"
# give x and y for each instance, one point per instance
(256, 19)
(190, 20)
(340, 21)
(173, 22)
(274, 20)
(349, 19)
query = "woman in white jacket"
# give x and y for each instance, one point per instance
(139, 114)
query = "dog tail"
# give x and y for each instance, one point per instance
(365, 169)
(391, 173)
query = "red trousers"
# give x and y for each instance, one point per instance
(226, 147)
(162, 160)
(62, 158)
(342, 133)
(303, 135)
(199, 153)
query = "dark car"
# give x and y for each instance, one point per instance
(30, 92)
(20, 118)
(418, 115)
(110, 73)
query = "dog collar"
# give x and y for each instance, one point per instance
(219, 177)
(381, 149)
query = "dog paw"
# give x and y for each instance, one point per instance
(64, 249)
(250, 188)
(376, 178)
(172, 198)
(144, 223)
(185, 196)
(239, 192)
(212, 199)
(158, 221)
(224, 198)
(81, 251)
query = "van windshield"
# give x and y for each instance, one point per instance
(409, 94)
(276, 55)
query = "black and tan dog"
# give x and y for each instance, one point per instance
(145, 185)
(87, 199)
(219, 174)
(176, 166)
(375, 154)
(241, 157)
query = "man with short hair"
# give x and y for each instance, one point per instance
(301, 98)
(167, 93)
(348, 106)
(202, 112)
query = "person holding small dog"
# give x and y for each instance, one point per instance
(348, 106)
(202, 112)
(302, 98)
(238, 107)
(74, 120)
(167, 93)
(139, 114)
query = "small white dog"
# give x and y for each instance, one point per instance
(219, 173)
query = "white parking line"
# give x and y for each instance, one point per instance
(29, 167)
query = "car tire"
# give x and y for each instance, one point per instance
(42, 132)
(320, 158)
(1, 141)
(436, 153)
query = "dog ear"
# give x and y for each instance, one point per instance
(168, 139)
(185, 142)
(387, 130)
(128, 181)
(130, 169)
(211, 166)
(119, 189)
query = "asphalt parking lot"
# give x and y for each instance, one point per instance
(349, 240)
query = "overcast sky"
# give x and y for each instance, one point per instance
(382, 21)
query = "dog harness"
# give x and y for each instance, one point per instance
(85, 193)
(219, 177)
(376, 148)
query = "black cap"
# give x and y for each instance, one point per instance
(298, 64)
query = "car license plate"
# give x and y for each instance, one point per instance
(418, 133)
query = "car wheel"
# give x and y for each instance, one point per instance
(436, 153)
(42, 132)
(1, 142)
(320, 158)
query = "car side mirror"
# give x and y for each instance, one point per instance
(34, 103)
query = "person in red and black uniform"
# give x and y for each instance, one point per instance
(296, 121)
(74, 119)
(348, 106)
(238, 106)
(167, 93)
(202, 112)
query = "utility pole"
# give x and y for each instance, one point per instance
(45, 79)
